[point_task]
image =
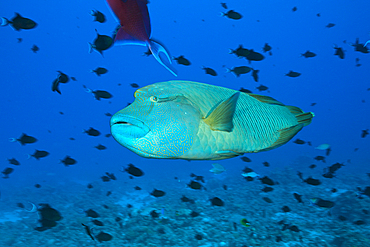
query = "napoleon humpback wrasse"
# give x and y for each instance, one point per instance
(197, 121)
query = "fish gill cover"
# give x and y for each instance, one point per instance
(65, 181)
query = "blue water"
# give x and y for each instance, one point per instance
(196, 30)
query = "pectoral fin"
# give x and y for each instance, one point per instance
(221, 117)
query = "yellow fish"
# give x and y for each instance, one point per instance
(197, 121)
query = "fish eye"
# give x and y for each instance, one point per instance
(153, 98)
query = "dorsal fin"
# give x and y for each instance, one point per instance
(221, 117)
(265, 99)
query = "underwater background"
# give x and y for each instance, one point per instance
(336, 90)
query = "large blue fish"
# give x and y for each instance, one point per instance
(197, 121)
(135, 29)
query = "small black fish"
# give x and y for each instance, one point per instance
(182, 60)
(134, 171)
(99, 16)
(262, 88)
(299, 141)
(266, 164)
(185, 199)
(215, 201)
(61, 78)
(210, 71)
(38, 186)
(224, 5)
(154, 214)
(101, 43)
(35, 48)
(294, 9)
(194, 214)
(266, 199)
(254, 56)
(97, 222)
(267, 189)
(330, 25)
(134, 85)
(19, 40)
(91, 213)
(157, 193)
(308, 54)
(111, 176)
(328, 175)
(298, 197)
(339, 52)
(90, 186)
(194, 185)
(240, 51)
(48, 217)
(13, 161)
(246, 159)
(24, 139)
(137, 188)
(359, 222)
(103, 237)
(294, 228)
(198, 237)
(320, 158)
(100, 147)
(7, 171)
(293, 74)
(333, 168)
(239, 70)
(232, 15)
(266, 48)
(38, 154)
(92, 132)
(88, 231)
(67, 161)
(323, 203)
(197, 178)
(286, 209)
(99, 94)
(147, 53)
(255, 74)
(312, 166)
(99, 71)
(364, 133)
(108, 114)
(105, 178)
(267, 180)
(18, 22)
(312, 181)
(245, 90)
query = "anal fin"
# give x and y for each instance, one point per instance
(285, 136)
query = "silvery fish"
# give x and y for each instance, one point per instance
(197, 121)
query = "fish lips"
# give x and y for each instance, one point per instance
(128, 127)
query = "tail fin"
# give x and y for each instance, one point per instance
(304, 118)
(4, 21)
(165, 59)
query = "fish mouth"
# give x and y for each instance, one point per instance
(123, 127)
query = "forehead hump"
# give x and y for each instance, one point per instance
(155, 89)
